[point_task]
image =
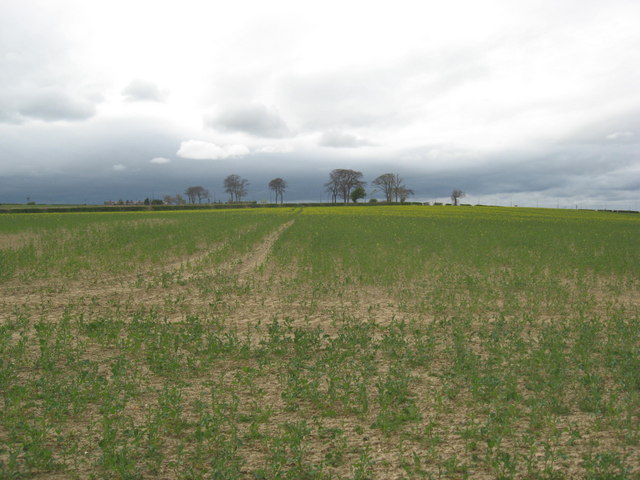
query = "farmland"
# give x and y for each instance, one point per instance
(316, 343)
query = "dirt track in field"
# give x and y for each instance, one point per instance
(258, 257)
(254, 290)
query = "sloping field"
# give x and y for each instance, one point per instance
(346, 343)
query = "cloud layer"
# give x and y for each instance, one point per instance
(339, 139)
(200, 150)
(142, 91)
(252, 119)
(534, 98)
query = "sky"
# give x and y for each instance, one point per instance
(526, 102)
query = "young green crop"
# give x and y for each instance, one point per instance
(72, 244)
(337, 342)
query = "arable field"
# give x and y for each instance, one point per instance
(401, 342)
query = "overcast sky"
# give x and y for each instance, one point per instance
(514, 101)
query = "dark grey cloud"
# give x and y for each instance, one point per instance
(254, 119)
(590, 176)
(517, 177)
(86, 148)
(143, 91)
(338, 139)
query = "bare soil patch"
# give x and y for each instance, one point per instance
(14, 241)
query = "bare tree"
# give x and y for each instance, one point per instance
(203, 195)
(403, 193)
(190, 194)
(236, 187)
(332, 189)
(457, 194)
(393, 187)
(279, 186)
(385, 183)
(398, 187)
(177, 200)
(342, 182)
(196, 192)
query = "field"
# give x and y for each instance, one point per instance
(320, 343)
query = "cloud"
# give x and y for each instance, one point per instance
(351, 98)
(143, 91)
(199, 150)
(275, 149)
(337, 139)
(537, 95)
(8, 114)
(159, 160)
(617, 135)
(253, 119)
(53, 104)
(236, 150)
(40, 79)
(118, 167)
(47, 105)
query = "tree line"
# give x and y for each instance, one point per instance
(348, 185)
(344, 185)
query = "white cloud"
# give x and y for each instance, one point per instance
(142, 90)
(200, 150)
(617, 135)
(118, 167)
(159, 160)
(236, 150)
(275, 149)
(337, 139)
